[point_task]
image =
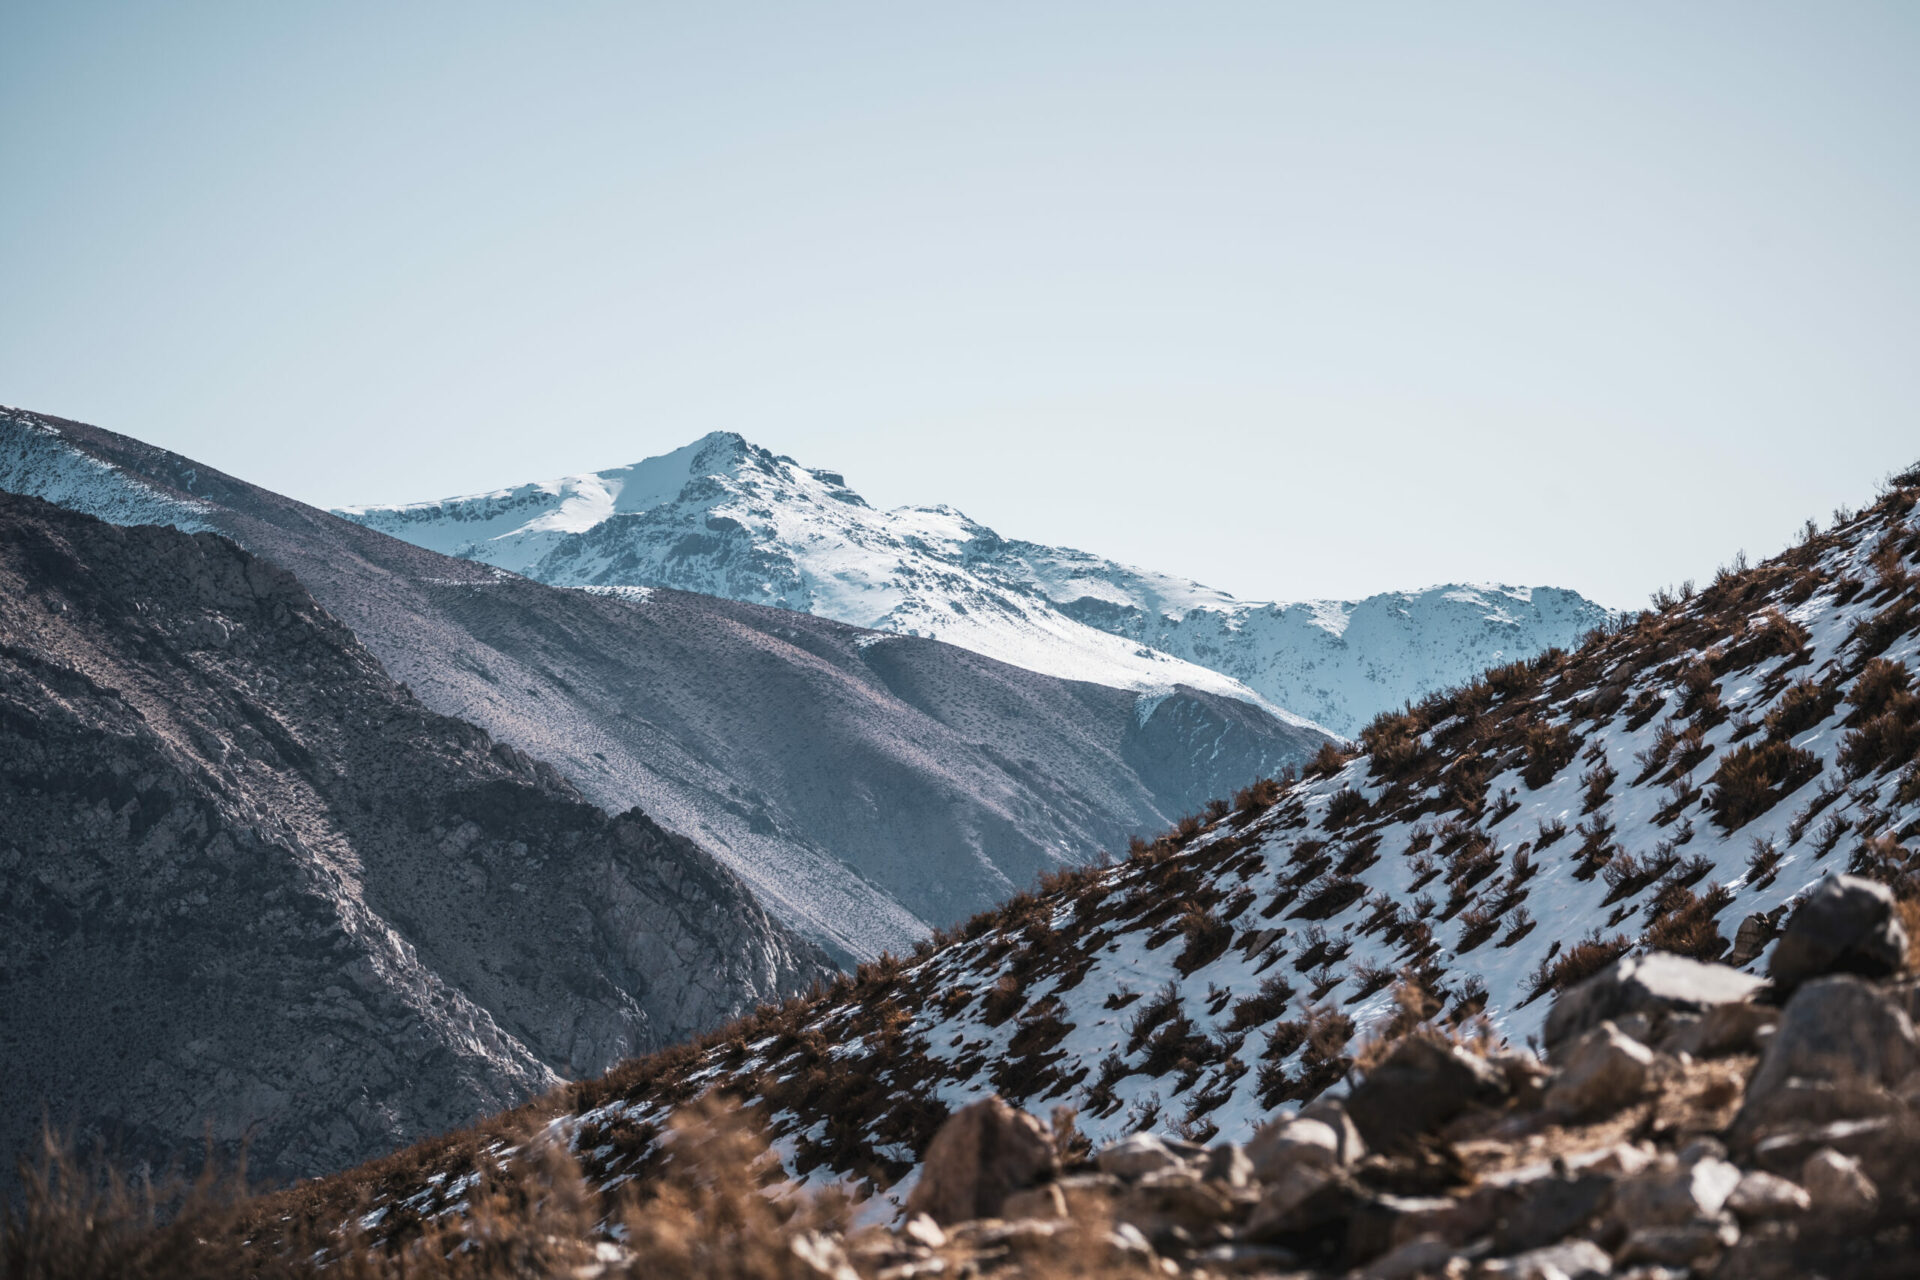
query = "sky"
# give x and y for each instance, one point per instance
(1300, 300)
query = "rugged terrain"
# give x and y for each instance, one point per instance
(253, 888)
(729, 518)
(867, 786)
(1674, 784)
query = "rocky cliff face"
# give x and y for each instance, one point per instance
(250, 882)
(867, 786)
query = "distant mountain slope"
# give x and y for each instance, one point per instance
(1673, 784)
(246, 879)
(867, 786)
(729, 518)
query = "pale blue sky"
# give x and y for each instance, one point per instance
(1295, 299)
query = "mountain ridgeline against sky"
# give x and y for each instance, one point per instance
(728, 518)
(868, 786)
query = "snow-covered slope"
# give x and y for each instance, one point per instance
(726, 517)
(1672, 784)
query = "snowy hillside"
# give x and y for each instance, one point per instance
(726, 517)
(1673, 784)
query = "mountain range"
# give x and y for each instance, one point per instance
(726, 517)
(867, 786)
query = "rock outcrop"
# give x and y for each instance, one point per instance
(248, 881)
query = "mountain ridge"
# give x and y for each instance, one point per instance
(727, 517)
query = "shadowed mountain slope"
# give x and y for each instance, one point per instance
(249, 881)
(867, 786)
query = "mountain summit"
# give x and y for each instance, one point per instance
(725, 517)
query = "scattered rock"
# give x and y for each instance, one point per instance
(1332, 1112)
(1575, 1260)
(1602, 1072)
(1679, 1245)
(1276, 1147)
(1845, 925)
(821, 1256)
(984, 1152)
(1765, 1195)
(1752, 937)
(1655, 986)
(1723, 1029)
(1424, 1083)
(1427, 1255)
(1228, 1162)
(1550, 1208)
(1841, 1045)
(1835, 1184)
(1043, 1201)
(922, 1229)
(1672, 1193)
(1135, 1155)
(1246, 1259)
(1877, 1143)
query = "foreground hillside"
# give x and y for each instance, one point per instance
(868, 787)
(1673, 784)
(728, 518)
(249, 882)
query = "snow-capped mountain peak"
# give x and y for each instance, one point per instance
(727, 517)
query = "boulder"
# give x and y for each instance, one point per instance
(1836, 1185)
(1680, 1245)
(1723, 1029)
(1228, 1162)
(1423, 1083)
(1136, 1155)
(1845, 925)
(1751, 938)
(1574, 1260)
(983, 1153)
(1044, 1201)
(1600, 1073)
(1764, 1195)
(1332, 1112)
(1549, 1209)
(1841, 1046)
(1291, 1141)
(1671, 1193)
(1653, 986)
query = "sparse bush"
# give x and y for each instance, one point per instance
(1548, 750)
(1753, 777)
(1805, 704)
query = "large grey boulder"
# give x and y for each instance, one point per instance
(984, 1153)
(1603, 1072)
(1424, 1083)
(1846, 925)
(1841, 1046)
(1656, 985)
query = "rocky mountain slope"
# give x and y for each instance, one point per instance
(248, 881)
(729, 518)
(867, 786)
(1675, 784)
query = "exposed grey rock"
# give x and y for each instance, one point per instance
(1764, 1195)
(1600, 1073)
(248, 880)
(1672, 1193)
(1136, 1155)
(1574, 1260)
(1278, 1146)
(1653, 985)
(1842, 1044)
(983, 1153)
(1228, 1162)
(1422, 1256)
(1679, 1245)
(1845, 925)
(1734, 1027)
(1752, 937)
(1421, 1085)
(1835, 1184)
(1548, 1209)
(1332, 1112)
